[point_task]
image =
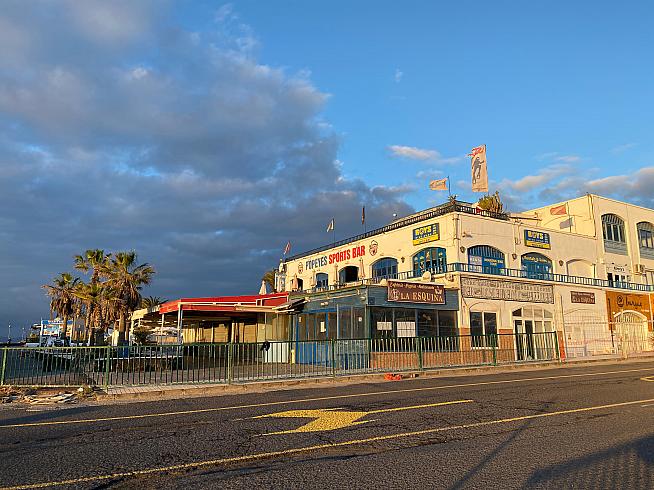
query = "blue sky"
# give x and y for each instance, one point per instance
(207, 134)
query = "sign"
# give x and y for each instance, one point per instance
(582, 297)
(506, 290)
(427, 233)
(416, 292)
(479, 261)
(537, 239)
(373, 247)
(334, 258)
(619, 302)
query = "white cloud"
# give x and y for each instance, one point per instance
(398, 75)
(422, 154)
(622, 148)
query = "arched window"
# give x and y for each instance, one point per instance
(536, 265)
(484, 258)
(429, 259)
(322, 280)
(348, 274)
(613, 232)
(646, 239)
(386, 267)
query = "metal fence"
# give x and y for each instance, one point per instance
(238, 363)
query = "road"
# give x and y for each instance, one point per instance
(584, 427)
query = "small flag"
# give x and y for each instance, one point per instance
(330, 226)
(559, 210)
(287, 248)
(363, 215)
(479, 169)
(438, 185)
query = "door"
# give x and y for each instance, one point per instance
(519, 340)
(529, 339)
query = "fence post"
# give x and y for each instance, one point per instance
(106, 367)
(556, 345)
(333, 356)
(419, 352)
(496, 341)
(230, 363)
(4, 365)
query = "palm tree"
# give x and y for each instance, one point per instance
(62, 297)
(152, 301)
(125, 279)
(92, 260)
(269, 279)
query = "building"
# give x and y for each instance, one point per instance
(582, 270)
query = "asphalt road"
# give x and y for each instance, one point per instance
(579, 427)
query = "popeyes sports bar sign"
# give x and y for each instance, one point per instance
(336, 257)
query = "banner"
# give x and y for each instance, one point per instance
(479, 169)
(438, 185)
(559, 210)
(416, 292)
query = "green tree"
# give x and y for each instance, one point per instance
(492, 203)
(125, 278)
(269, 279)
(152, 301)
(62, 297)
(92, 261)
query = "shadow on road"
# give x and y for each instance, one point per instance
(629, 465)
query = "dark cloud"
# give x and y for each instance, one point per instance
(120, 130)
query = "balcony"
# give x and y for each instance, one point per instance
(497, 271)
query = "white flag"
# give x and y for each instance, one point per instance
(330, 226)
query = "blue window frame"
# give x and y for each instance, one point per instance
(386, 267)
(484, 258)
(536, 265)
(434, 259)
(322, 280)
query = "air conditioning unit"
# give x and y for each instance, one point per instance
(639, 268)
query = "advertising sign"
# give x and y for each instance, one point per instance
(619, 302)
(582, 297)
(416, 292)
(472, 287)
(479, 261)
(427, 233)
(537, 239)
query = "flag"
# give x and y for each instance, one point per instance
(559, 210)
(330, 226)
(363, 215)
(287, 248)
(438, 185)
(479, 170)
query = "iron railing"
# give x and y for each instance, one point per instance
(493, 271)
(272, 360)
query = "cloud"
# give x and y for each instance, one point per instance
(181, 145)
(414, 153)
(543, 177)
(556, 157)
(622, 148)
(398, 75)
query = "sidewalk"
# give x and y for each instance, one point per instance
(163, 392)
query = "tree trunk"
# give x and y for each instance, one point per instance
(88, 330)
(121, 328)
(64, 327)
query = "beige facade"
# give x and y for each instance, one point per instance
(532, 271)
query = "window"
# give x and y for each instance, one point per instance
(483, 329)
(614, 236)
(322, 281)
(486, 259)
(613, 228)
(348, 274)
(385, 268)
(381, 322)
(429, 259)
(536, 265)
(646, 239)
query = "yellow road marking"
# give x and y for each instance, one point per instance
(317, 447)
(321, 398)
(333, 419)
(647, 378)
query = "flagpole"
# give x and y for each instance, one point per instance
(449, 189)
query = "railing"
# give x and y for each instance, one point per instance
(240, 363)
(494, 271)
(434, 213)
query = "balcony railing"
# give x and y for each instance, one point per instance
(495, 271)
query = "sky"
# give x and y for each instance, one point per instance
(205, 135)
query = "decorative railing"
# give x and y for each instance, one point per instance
(495, 271)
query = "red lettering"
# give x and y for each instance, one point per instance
(348, 255)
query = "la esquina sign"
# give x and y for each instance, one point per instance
(416, 292)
